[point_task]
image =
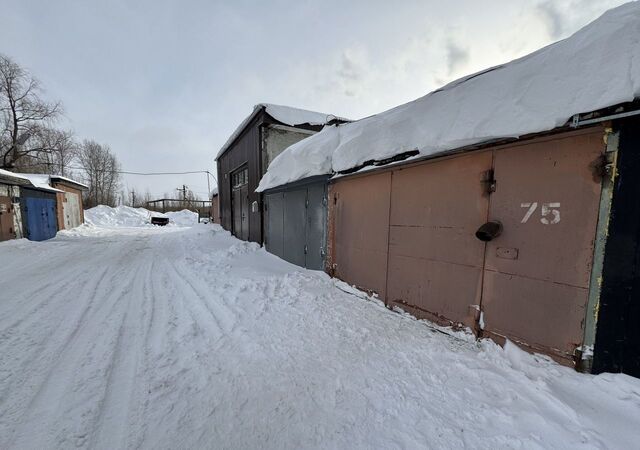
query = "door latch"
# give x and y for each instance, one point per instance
(489, 181)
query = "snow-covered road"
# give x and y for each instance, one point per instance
(189, 338)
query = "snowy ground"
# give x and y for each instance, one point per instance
(178, 337)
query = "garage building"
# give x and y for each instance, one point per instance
(505, 202)
(244, 158)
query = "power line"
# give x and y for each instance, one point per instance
(45, 162)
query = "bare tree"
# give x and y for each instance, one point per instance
(23, 114)
(101, 173)
(59, 150)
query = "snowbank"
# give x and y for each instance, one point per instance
(597, 67)
(125, 216)
(194, 339)
(120, 216)
(184, 218)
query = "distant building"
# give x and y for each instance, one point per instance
(69, 207)
(244, 159)
(36, 206)
(10, 214)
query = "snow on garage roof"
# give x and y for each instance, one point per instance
(40, 181)
(67, 180)
(43, 181)
(597, 67)
(284, 114)
(7, 176)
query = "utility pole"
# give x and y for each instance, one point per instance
(183, 189)
(133, 198)
(184, 193)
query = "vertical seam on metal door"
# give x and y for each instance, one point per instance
(386, 279)
(479, 330)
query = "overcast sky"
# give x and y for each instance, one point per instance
(164, 83)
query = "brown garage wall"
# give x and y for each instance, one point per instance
(408, 234)
(359, 232)
(215, 209)
(60, 201)
(435, 260)
(537, 273)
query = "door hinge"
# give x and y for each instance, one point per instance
(305, 249)
(488, 181)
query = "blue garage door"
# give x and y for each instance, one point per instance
(41, 218)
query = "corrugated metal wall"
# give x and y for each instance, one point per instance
(245, 150)
(408, 234)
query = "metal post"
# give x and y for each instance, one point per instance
(593, 303)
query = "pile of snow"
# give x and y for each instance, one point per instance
(184, 218)
(283, 114)
(120, 216)
(595, 68)
(126, 216)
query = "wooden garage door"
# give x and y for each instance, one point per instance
(537, 272)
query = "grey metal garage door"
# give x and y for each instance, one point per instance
(295, 226)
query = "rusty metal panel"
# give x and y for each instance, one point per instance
(360, 230)
(215, 209)
(537, 271)
(435, 261)
(7, 230)
(68, 215)
(60, 199)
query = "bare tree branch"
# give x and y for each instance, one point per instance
(23, 114)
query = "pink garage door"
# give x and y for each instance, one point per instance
(409, 235)
(359, 238)
(537, 272)
(435, 261)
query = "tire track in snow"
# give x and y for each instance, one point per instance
(124, 391)
(31, 379)
(219, 311)
(63, 380)
(203, 320)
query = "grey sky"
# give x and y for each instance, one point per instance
(164, 83)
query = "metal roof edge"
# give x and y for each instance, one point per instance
(298, 183)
